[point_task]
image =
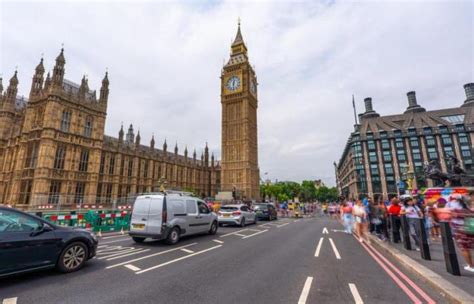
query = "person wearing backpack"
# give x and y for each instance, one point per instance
(462, 223)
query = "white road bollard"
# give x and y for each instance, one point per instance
(99, 234)
(121, 231)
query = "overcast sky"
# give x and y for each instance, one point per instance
(164, 61)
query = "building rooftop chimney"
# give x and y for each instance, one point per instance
(413, 106)
(469, 89)
(369, 110)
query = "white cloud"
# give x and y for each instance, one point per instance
(164, 61)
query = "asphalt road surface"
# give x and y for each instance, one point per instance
(300, 261)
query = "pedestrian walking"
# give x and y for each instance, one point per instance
(413, 214)
(347, 219)
(463, 224)
(361, 221)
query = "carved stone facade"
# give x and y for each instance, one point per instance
(239, 99)
(53, 149)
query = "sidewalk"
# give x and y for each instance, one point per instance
(459, 288)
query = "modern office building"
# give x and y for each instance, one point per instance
(383, 150)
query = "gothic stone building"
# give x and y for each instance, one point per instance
(385, 149)
(53, 149)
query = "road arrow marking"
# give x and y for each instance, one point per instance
(325, 231)
(318, 248)
(336, 252)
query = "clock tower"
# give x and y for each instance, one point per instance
(240, 172)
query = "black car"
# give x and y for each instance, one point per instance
(265, 211)
(29, 243)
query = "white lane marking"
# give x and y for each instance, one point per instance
(336, 230)
(128, 254)
(233, 232)
(296, 221)
(355, 294)
(187, 250)
(178, 259)
(255, 230)
(238, 234)
(111, 237)
(9, 300)
(282, 225)
(149, 256)
(111, 248)
(336, 252)
(217, 241)
(133, 268)
(120, 253)
(305, 291)
(247, 236)
(116, 241)
(325, 231)
(318, 248)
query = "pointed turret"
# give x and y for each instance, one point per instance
(58, 71)
(37, 82)
(206, 156)
(138, 138)
(1, 86)
(238, 46)
(165, 146)
(212, 159)
(194, 155)
(176, 149)
(47, 82)
(186, 151)
(104, 89)
(121, 133)
(152, 142)
(84, 88)
(130, 135)
(12, 89)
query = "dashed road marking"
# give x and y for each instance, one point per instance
(120, 253)
(10, 300)
(187, 250)
(217, 241)
(318, 248)
(133, 268)
(178, 259)
(128, 254)
(305, 291)
(232, 233)
(261, 231)
(116, 241)
(111, 237)
(150, 255)
(336, 252)
(282, 225)
(355, 294)
(238, 234)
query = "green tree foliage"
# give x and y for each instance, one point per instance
(305, 192)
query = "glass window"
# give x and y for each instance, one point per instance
(112, 164)
(430, 141)
(387, 156)
(25, 192)
(371, 145)
(84, 160)
(130, 167)
(60, 157)
(446, 138)
(427, 130)
(54, 190)
(191, 207)
(414, 142)
(385, 144)
(203, 207)
(454, 118)
(412, 131)
(88, 127)
(66, 121)
(79, 195)
(32, 154)
(11, 221)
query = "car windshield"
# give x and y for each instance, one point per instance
(261, 207)
(228, 209)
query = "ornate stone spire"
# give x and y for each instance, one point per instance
(1, 86)
(165, 146)
(238, 46)
(206, 155)
(84, 88)
(176, 149)
(130, 135)
(138, 138)
(40, 68)
(104, 90)
(186, 151)
(194, 155)
(152, 142)
(47, 82)
(121, 133)
(12, 89)
(238, 38)
(37, 82)
(212, 159)
(58, 71)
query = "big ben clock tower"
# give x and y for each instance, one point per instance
(240, 172)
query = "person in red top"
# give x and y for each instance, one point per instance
(394, 209)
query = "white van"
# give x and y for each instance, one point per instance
(168, 216)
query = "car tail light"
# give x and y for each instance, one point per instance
(236, 213)
(164, 216)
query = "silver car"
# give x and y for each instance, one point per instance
(169, 216)
(236, 215)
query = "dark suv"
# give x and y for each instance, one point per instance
(265, 211)
(29, 243)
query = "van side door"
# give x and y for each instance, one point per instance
(177, 214)
(192, 216)
(155, 216)
(205, 217)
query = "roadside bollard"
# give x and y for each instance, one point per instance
(449, 251)
(424, 247)
(394, 229)
(405, 232)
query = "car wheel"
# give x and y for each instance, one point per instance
(137, 239)
(213, 229)
(73, 257)
(242, 222)
(173, 236)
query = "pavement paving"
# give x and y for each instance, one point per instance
(307, 260)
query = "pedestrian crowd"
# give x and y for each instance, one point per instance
(366, 216)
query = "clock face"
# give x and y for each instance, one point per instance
(233, 83)
(253, 87)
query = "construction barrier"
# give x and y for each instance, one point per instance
(93, 220)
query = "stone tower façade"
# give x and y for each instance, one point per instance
(239, 101)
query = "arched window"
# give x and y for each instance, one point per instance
(88, 127)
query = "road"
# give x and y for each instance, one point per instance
(300, 261)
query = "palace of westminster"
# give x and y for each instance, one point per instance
(53, 148)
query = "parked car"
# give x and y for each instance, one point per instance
(29, 243)
(265, 211)
(236, 215)
(170, 216)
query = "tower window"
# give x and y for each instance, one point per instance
(60, 156)
(83, 163)
(25, 192)
(88, 127)
(112, 164)
(32, 154)
(79, 196)
(66, 121)
(54, 190)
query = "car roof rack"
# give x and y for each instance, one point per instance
(166, 192)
